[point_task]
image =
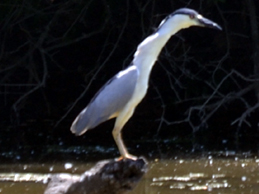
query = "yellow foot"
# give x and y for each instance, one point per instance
(127, 156)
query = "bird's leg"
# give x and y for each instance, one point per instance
(123, 151)
(121, 120)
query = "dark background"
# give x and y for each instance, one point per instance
(55, 55)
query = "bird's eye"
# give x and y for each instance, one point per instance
(192, 16)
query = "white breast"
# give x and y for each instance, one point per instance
(144, 59)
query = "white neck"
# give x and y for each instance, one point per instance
(148, 51)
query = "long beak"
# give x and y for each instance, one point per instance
(208, 23)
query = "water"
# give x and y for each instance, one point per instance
(189, 176)
(178, 176)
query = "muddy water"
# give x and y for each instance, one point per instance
(201, 176)
(178, 176)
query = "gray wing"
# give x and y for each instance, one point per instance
(110, 99)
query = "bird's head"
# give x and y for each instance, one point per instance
(184, 18)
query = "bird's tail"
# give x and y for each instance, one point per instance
(80, 124)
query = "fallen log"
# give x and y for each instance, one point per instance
(106, 177)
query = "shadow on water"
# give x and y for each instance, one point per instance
(179, 176)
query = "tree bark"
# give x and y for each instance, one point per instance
(106, 177)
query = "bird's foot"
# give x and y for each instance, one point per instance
(127, 156)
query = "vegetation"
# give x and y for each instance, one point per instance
(56, 54)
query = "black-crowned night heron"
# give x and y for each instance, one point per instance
(122, 93)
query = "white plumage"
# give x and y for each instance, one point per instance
(120, 95)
